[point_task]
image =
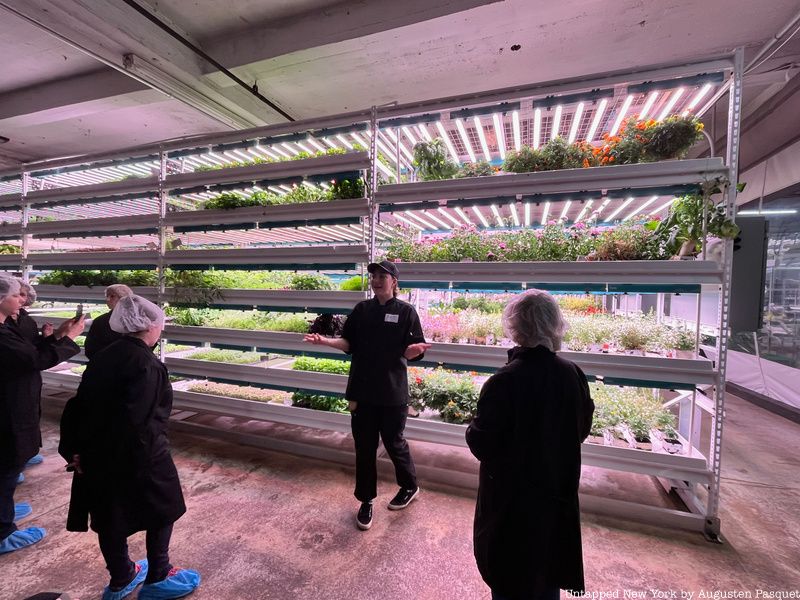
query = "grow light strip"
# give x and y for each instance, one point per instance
(641, 208)
(290, 149)
(556, 122)
(597, 118)
(564, 211)
(544, 213)
(621, 115)
(497, 216)
(585, 209)
(449, 216)
(537, 127)
(479, 214)
(465, 138)
(447, 141)
(517, 135)
(359, 140)
(344, 232)
(436, 219)
(696, 100)
(464, 216)
(411, 215)
(497, 118)
(671, 104)
(275, 148)
(330, 143)
(409, 135)
(399, 144)
(305, 149)
(603, 205)
(407, 222)
(648, 104)
(482, 138)
(344, 141)
(527, 216)
(513, 208)
(385, 170)
(576, 121)
(620, 208)
(424, 132)
(663, 206)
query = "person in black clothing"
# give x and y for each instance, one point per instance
(114, 435)
(100, 333)
(382, 335)
(23, 322)
(20, 395)
(532, 416)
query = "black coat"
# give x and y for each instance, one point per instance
(20, 391)
(117, 423)
(100, 335)
(532, 416)
(26, 326)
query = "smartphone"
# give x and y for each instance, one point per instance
(79, 311)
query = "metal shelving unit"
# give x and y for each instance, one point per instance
(85, 200)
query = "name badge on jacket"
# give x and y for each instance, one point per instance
(391, 318)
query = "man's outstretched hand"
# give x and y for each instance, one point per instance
(415, 350)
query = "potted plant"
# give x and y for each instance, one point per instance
(431, 162)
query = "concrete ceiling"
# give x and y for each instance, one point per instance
(64, 89)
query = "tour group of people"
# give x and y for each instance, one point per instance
(531, 418)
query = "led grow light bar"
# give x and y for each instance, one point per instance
(563, 216)
(497, 216)
(447, 141)
(671, 104)
(598, 115)
(515, 127)
(576, 121)
(479, 214)
(464, 216)
(545, 211)
(648, 104)
(449, 216)
(513, 208)
(465, 138)
(537, 127)
(621, 115)
(584, 210)
(620, 208)
(423, 130)
(696, 100)
(482, 138)
(497, 119)
(409, 135)
(556, 122)
(641, 208)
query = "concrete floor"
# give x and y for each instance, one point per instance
(263, 525)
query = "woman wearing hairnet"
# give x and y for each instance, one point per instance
(532, 416)
(23, 322)
(114, 435)
(20, 395)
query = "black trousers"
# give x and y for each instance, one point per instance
(114, 547)
(367, 423)
(8, 484)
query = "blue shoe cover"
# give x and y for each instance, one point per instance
(22, 510)
(36, 460)
(128, 589)
(22, 538)
(21, 478)
(181, 584)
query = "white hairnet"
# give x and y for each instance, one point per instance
(133, 314)
(120, 290)
(28, 289)
(534, 319)
(8, 287)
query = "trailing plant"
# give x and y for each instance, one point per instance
(479, 169)
(431, 161)
(673, 137)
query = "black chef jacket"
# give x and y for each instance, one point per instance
(378, 337)
(100, 335)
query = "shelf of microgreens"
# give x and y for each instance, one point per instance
(580, 186)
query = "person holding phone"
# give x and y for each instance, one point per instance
(100, 333)
(23, 321)
(21, 363)
(382, 335)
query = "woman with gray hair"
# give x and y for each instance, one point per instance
(114, 436)
(22, 321)
(532, 416)
(21, 362)
(101, 334)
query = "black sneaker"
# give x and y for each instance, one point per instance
(403, 498)
(364, 516)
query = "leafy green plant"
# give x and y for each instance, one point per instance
(320, 402)
(431, 161)
(357, 283)
(311, 281)
(560, 154)
(524, 160)
(239, 391)
(10, 249)
(322, 365)
(233, 357)
(479, 169)
(479, 303)
(347, 188)
(673, 137)
(229, 200)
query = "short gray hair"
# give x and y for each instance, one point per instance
(534, 318)
(120, 290)
(8, 286)
(30, 292)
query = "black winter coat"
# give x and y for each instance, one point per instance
(21, 362)
(100, 335)
(117, 424)
(532, 416)
(25, 325)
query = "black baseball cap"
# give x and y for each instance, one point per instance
(384, 265)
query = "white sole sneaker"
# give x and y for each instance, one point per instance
(402, 506)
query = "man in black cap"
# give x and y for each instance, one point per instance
(382, 335)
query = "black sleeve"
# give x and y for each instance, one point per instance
(415, 334)
(585, 407)
(94, 339)
(22, 355)
(489, 433)
(350, 329)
